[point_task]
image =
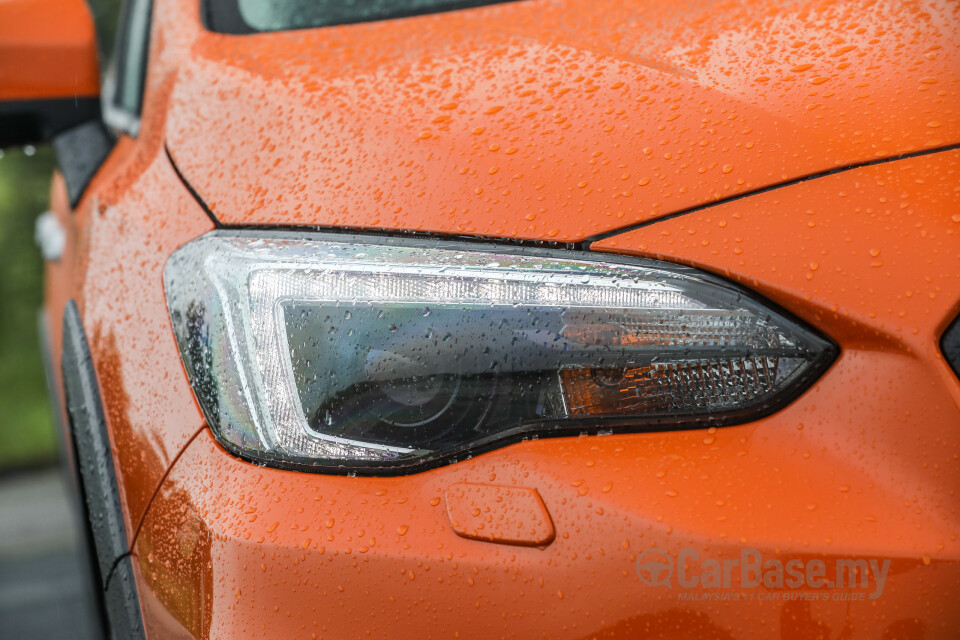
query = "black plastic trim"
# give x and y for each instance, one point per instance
(97, 477)
(950, 345)
(81, 151)
(571, 427)
(69, 470)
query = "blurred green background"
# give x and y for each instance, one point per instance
(27, 437)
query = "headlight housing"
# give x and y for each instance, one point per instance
(360, 354)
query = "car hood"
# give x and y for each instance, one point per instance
(556, 119)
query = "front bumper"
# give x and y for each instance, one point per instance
(232, 550)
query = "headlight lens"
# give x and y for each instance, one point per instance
(316, 351)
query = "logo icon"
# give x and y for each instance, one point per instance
(655, 568)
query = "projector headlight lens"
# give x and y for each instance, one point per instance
(317, 352)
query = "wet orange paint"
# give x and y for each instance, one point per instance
(505, 515)
(553, 121)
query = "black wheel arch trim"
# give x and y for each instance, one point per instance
(97, 480)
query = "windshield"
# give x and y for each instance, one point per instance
(250, 16)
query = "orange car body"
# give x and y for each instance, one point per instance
(807, 150)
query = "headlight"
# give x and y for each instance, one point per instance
(353, 354)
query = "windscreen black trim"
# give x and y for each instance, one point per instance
(226, 18)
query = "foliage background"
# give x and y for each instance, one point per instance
(27, 436)
(26, 428)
